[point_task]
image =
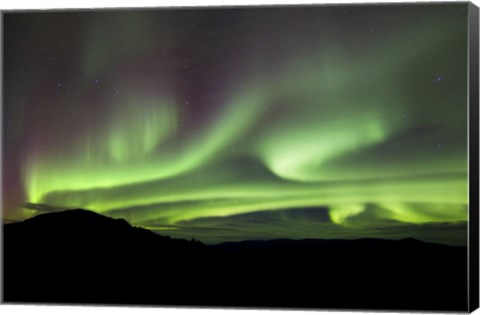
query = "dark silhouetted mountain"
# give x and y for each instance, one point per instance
(78, 256)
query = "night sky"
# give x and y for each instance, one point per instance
(251, 123)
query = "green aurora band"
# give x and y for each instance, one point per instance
(375, 137)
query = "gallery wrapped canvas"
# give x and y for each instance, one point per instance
(308, 156)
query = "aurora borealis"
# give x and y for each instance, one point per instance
(242, 123)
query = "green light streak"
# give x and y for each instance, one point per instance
(328, 129)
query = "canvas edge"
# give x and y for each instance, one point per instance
(1, 155)
(159, 6)
(473, 222)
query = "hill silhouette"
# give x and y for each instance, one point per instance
(78, 256)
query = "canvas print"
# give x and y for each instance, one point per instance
(309, 156)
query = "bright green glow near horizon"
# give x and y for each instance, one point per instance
(114, 167)
(372, 136)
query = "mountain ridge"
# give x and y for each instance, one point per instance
(78, 256)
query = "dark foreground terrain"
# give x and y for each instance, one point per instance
(78, 256)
